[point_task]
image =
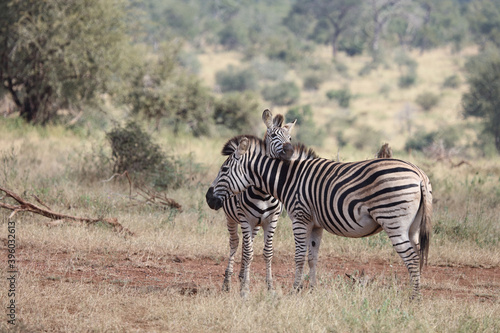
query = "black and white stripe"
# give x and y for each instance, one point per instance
(252, 209)
(355, 199)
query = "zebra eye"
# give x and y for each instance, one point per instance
(273, 135)
(224, 169)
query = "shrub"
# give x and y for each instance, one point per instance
(452, 81)
(352, 46)
(236, 111)
(270, 70)
(420, 140)
(232, 79)
(342, 96)
(313, 82)
(427, 100)
(306, 131)
(284, 93)
(366, 138)
(133, 150)
(407, 80)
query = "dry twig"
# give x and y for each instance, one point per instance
(25, 206)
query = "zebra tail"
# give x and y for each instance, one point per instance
(426, 224)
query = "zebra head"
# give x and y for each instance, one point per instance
(231, 178)
(278, 137)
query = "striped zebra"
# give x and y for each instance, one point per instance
(253, 208)
(356, 199)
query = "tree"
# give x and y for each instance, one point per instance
(58, 54)
(160, 88)
(484, 21)
(483, 98)
(330, 18)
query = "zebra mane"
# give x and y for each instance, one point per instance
(301, 152)
(233, 143)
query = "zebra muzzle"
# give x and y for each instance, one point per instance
(213, 202)
(287, 152)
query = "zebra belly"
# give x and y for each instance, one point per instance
(364, 227)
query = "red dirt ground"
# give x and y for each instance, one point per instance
(189, 276)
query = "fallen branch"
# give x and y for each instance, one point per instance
(152, 197)
(25, 206)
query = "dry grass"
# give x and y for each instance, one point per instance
(69, 278)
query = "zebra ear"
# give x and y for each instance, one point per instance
(267, 118)
(242, 147)
(290, 126)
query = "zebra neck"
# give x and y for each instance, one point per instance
(271, 176)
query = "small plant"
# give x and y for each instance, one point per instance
(285, 93)
(342, 96)
(452, 81)
(427, 100)
(133, 150)
(313, 82)
(233, 79)
(407, 80)
(307, 132)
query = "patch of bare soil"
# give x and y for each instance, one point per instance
(188, 276)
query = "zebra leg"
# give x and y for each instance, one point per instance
(234, 241)
(268, 249)
(314, 243)
(409, 253)
(300, 235)
(246, 257)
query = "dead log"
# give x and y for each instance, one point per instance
(25, 206)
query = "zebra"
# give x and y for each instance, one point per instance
(356, 199)
(253, 208)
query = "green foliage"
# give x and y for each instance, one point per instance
(323, 21)
(162, 89)
(283, 93)
(452, 81)
(366, 138)
(484, 21)
(407, 80)
(427, 100)
(447, 135)
(273, 70)
(342, 96)
(233, 36)
(352, 46)
(133, 150)
(233, 79)
(483, 98)
(236, 111)
(408, 69)
(286, 48)
(58, 54)
(313, 81)
(306, 131)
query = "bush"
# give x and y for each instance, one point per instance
(407, 80)
(352, 46)
(366, 138)
(452, 81)
(273, 70)
(284, 93)
(313, 82)
(448, 136)
(236, 80)
(342, 96)
(306, 132)
(420, 140)
(427, 100)
(133, 150)
(236, 111)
